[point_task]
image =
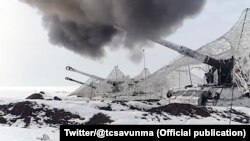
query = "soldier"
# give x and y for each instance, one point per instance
(210, 75)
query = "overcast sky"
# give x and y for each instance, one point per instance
(28, 59)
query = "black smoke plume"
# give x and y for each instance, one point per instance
(86, 26)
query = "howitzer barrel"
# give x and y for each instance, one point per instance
(83, 73)
(70, 79)
(184, 51)
(190, 53)
(91, 76)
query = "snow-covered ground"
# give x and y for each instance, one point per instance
(117, 112)
(23, 92)
(12, 94)
(26, 134)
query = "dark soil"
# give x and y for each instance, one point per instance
(35, 96)
(150, 100)
(123, 103)
(3, 120)
(99, 119)
(106, 108)
(31, 112)
(131, 107)
(178, 109)
(57, 98)
(236, 116)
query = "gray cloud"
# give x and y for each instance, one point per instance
(86, 26)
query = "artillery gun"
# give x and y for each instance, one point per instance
(93, 88)
(76, 81)
(224, 67)
(233, 67)
(222, 75)
(212, 91)
(114, 84)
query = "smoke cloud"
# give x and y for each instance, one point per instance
(87, 26)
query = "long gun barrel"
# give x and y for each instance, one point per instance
(224, 67)
(183, 50)
(190, 53)
(93, 76)
(83, 73)
(70, 79)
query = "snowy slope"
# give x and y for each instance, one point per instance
(118, 112)
(131, 112)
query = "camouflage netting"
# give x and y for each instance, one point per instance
(235, 43)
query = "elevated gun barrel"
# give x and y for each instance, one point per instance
(224, 67)
(93, 76)
(83, 73)
(183, 50)
(189, 52)
(70, 79)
